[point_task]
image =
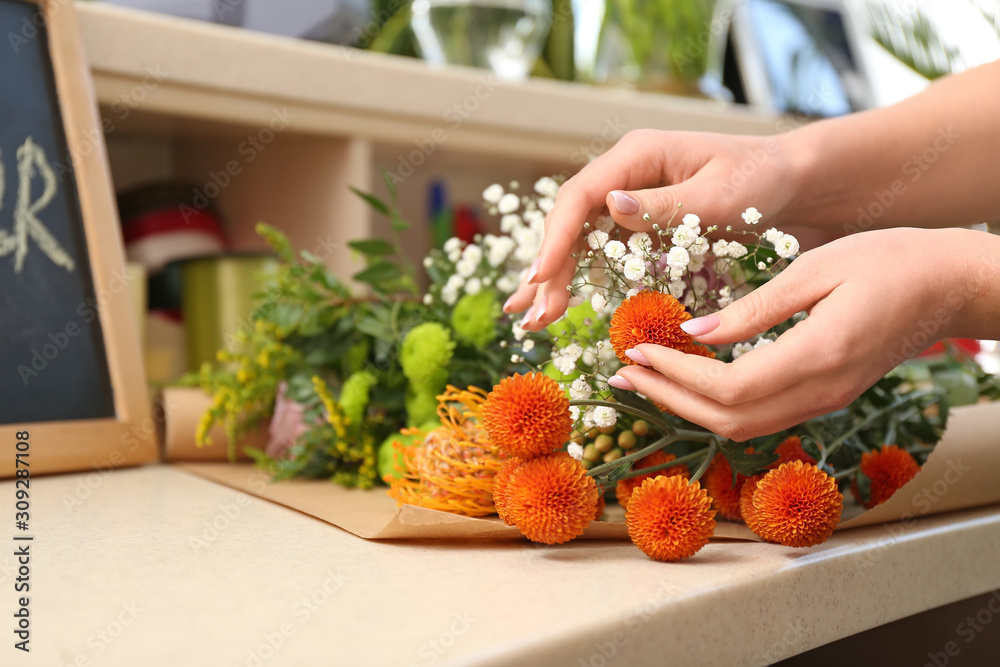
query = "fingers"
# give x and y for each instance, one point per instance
(799, 287)
(740, 422)
(552, 299)
(521, 299)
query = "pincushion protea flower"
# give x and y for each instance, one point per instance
(625, 487)
(670, 519)
(527, 415)
(796, 504)
(649, 317)
(551, 499)
(454, 467)
(889, 469)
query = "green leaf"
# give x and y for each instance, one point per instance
(372, 247)
(390, 183)
(278, 242)
(745, 464)
(397, 222)
(864, 487)
(286, 316)
(372, 200)
(379, 272)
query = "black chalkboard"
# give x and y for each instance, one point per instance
(53, 364)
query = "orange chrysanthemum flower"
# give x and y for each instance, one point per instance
(527, 415)
(746, 498)
(551, 499)
(699, 349)
(625, 487)
(648, 317)
(718, 481)
(796, 504)
(790, 450)
(669, 519)
(889, 469)
(453, 468)
(500, 487)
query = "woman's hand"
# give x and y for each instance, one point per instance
(874, 300)
(652, 172)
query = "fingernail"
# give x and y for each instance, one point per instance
(506, 304)
(533, 271)
(528, 316)
(700, 326)
(638, 357)
(625, 203)
(542, 306)
(619, 382)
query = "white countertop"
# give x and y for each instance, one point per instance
(154, 566)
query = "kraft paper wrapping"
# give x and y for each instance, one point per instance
(961, 473)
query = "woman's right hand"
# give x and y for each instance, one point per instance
(652, 172)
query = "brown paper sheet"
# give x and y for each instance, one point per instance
(961, 473)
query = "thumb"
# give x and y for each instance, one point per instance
(696, 195)
(792, 291)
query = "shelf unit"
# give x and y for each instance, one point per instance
(182, 99)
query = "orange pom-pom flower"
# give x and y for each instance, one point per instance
(796, 504)
(500, 487)
(551, 499)
(527, 415)
(889, 469)
(648, 317)
(670, 519)
(789, 450)
(625, 487)
(725, 495)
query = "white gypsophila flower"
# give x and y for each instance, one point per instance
(598, 302)
(634, 268)
(787, 246)
(487, 281)
(472, 253)
(508, 282)
(605, 417)
(631, 293)
(528, 345)
(683, 237)
(572, 351)
(546, 204)
(465, 268)
(751, 216)
(428, 299)
(677, 274)
(519, 333)
(678, 258)
(449, 294)
(605, 224)
(508, 203)
(696, 264)
(563, 363)
(720, 249)
(455, 282)
(514, 359)
(580, 390)
(740, 349)
(547, 187)
(473, 286)
(676, 288)
(596, 239)
(614, 250)
(453, 244)
(761, 342)
(772, 235)
(575, 300)
(724, 301)
(761, 265)
(428, 262)
(588, 418)
(699, 285)
(606, 351)
(692, 221)
(736, 249)
(493, 193)
(499, 251)
(535, 219)
(575, 451)
(640, 244)
(510, 222)
(699, 247)
(589, 356)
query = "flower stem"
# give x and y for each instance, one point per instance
(657, 419)
(709, 455)
(633, 456)
(663, 466)
(867, 421)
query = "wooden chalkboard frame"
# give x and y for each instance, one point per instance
(129, 437)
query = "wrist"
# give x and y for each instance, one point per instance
(978, 287)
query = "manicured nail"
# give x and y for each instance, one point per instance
(542, 306)
(528, 316)
(625, 203)
(638, 357)
(533, 271)
(700, 326)
(506, 304)
(619, 382)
